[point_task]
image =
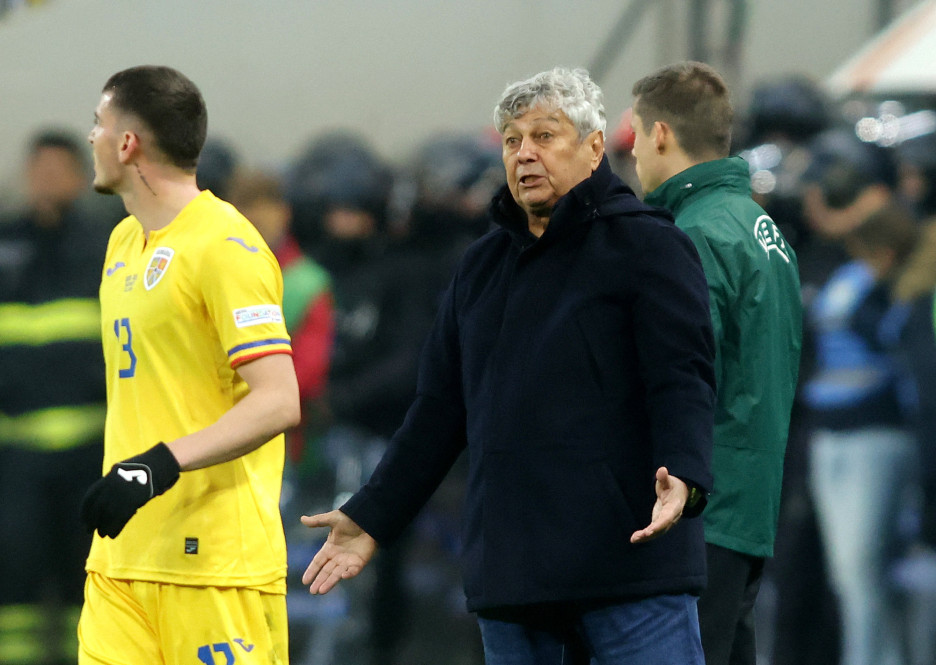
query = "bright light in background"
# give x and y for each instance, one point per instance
(892, 126)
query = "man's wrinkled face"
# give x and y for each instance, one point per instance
(544, 158)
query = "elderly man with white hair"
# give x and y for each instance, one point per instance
(573, 357)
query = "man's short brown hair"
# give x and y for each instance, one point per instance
(693, 99)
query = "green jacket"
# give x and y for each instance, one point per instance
(756, 309)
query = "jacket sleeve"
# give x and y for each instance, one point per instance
(676, 352)
(427, 444)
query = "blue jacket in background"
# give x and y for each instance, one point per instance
(854, 384)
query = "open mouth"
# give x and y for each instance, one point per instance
(530, 180)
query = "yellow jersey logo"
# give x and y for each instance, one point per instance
(157, 267)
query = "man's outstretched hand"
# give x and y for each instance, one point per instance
(346, 551)
(671, 499)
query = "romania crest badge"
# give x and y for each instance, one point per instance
(157, 267)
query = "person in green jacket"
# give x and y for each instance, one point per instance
(682, 123)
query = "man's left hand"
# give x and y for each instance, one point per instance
(114, 499)
(671, 495)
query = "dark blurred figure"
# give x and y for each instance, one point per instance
(781, 121)
(903, 260)
(217, 166)
(390, 243)
(451, 181)
(339, 190)
(790, 109)
(846, 182)
(445, 194)
(51, 398)
(308, 310)
(447, 187)
(916, 162)
(906, 252)
(859, 446)
(910, 336)
(783, 118)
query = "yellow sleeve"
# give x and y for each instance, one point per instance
(243, 291)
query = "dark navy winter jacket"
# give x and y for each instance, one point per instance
(572, 366)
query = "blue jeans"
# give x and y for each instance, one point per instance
(858, 479)
(662, 630)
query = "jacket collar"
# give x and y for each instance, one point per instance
(730, 174)
(570, 212)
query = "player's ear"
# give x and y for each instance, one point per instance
(129, 147)
(662, 133)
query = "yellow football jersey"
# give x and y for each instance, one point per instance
(180, 312)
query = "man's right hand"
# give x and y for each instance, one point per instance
(346, 551)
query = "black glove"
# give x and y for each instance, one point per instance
(111, 501)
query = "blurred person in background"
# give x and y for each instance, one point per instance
(845, 182)
(682, 120)
(446, 187)
(798, 612)
(860, 446)
(308, 312)
(783, 116)
(914, 288)
(911, 291)
(340, 190)
(308, 304)
(889, 242)
(916, 164)
(52, 397)
(907, 333)
(218, 164)
(444, 194)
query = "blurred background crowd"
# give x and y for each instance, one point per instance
(368, 241)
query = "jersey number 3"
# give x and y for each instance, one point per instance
(124, 324)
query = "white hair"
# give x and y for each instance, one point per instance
(568, 90)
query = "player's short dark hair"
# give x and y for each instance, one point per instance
(170, 106)
(693, 99)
